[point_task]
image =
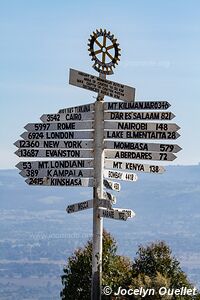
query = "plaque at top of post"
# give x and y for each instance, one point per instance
(105, 52)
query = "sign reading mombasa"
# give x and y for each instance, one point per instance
(98, 144)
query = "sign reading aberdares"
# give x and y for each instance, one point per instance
(112, 154)
(101, 86)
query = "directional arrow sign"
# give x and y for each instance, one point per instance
(87, 204)
(110, 197)
(135, 115)
(120, 175)
(139, 126)
(123, 165)
(136, 105)
(61, 135)
(115, 186)
(79, 206)
(113, 214)
(54, 144)
(73, 182)
(59, 126)
(67, 117)
(55, 164)
(23, 152)
(101, 86)
(50, 173)
(77, 109)
(139, 155)
(145, 135)
(129, 212)
(142, 146)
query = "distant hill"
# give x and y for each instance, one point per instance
(34, 225)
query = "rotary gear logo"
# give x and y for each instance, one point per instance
(104, 50)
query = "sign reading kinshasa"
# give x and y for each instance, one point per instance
(101, 86)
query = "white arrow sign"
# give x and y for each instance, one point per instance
(60, 135)
(55, 164)
(139, 155)
(136, 105)
(67, 117)
(72, 208)
(145, 135)
(128, 211)
(55, 153)
(142, 146)
(73, 182)
(50, 173)
(101, 86)
(115, 186)
(139, 126)
(77, 109)
(54, 144)
(59, 126)
(120, 175)
(112, 214)
(136, 115)
(130, 166)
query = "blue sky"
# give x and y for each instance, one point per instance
(41, 40)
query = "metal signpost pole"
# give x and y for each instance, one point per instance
(98, 194)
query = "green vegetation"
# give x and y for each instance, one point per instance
(154, 267)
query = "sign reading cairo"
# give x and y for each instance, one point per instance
(91, 144)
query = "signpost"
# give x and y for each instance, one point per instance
(65, 117)
(57, 135)
(92, 143)
(137, 115)
(144, 135)
(59, 126)
(141, 126)
(51, 173)
(137, 155)
(68, 144)
(121, 146)
(131, 166)
(102, 86)
(23, 152)
(160, 105)
(59, 181)
(88, 204)
(120, 175)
